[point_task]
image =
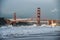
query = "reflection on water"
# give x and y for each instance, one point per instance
(29, 33)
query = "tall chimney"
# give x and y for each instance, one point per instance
(38, 16)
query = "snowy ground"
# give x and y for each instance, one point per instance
(29, 33)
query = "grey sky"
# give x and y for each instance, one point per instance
(27, 8)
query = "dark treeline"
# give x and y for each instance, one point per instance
(2, 21)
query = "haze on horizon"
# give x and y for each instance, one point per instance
(50, 9)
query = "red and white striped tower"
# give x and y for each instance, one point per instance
(38, 16)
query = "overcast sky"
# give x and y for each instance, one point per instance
(27, 8)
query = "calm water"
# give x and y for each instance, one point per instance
(29, 33)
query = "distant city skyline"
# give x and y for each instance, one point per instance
(50, 9)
